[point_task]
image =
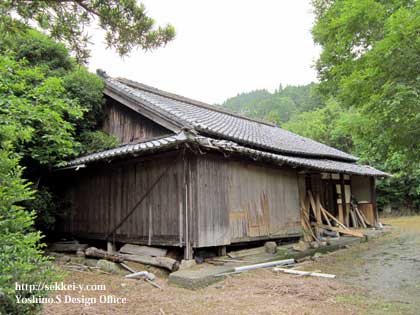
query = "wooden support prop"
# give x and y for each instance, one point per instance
(334, 219)
(359, 217)
(353, 219)
(342, 231)
(305, 273)
(318, 209)
(312, 202)
(310, 231)
(308, 234)
(325, 216)
(363, 217)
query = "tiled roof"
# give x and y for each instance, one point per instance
(229, 147)
(324, 165)
(154, 145)
(212, 121)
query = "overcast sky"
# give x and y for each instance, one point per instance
(222, 48)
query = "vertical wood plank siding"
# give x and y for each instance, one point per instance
(100, 198)
(237, 201)
(228, 201)
(128, 125)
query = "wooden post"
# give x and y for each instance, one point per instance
(180, 218)
(188, 253)
(342, 213)
(110, 247)
(373, 197)
(150, 225)
(221, 251)
(181, 180)
(318, 209)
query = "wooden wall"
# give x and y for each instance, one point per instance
(361, 188)
(99, 197)
(238, 201)
(128, 125)
(226, 201)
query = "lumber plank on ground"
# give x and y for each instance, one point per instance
(305, 273)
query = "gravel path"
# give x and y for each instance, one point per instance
(378, 277)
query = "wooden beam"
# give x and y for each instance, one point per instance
(373, 196)
(341, 214)
(150, 225)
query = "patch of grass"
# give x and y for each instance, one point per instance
(366, 305)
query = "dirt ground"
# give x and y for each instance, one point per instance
(378, 277)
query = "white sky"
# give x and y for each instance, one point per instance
(222, 48)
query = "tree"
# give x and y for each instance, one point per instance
(369, 62)
(327, 125)
(46, 94)
(50, 111)
(125, 22)
(21, 255)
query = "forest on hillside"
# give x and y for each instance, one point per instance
(278, 107)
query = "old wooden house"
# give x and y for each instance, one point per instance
(192, 175)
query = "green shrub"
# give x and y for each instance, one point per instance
(21, 256)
